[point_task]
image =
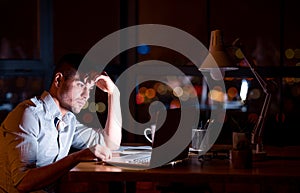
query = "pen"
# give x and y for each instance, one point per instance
(206, 124)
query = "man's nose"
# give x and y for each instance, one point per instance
(86, 93)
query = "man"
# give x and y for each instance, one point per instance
(36, 136)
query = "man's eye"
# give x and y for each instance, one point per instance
(80, 84)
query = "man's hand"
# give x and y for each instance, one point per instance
(101, 152)
(104, 82)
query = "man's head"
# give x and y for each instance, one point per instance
(70, 88)
(68, 65)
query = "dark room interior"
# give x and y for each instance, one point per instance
(35, 34)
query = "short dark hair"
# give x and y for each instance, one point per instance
(68, 65)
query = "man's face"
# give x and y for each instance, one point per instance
(75, 92)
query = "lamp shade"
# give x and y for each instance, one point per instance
(217, 57)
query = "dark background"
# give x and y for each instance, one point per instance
(40, 32)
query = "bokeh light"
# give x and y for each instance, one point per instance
(244, 90)
(100, 107)
(239, 54)
(216, 94)
(143, 49)
(232, 92)
(289, 80)
(142, 90)
(150, 93)
(161, 89)
(9, 95)
(297, 53)
(289, 53)
(175, 103)
(177, 91)
(254, 93)
(92, 107)
(139, 98)
(87, 117)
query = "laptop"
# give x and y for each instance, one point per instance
(167, 139)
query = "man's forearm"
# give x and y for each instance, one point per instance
(113, 127)
(39, 178)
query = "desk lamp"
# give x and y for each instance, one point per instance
(217, 51)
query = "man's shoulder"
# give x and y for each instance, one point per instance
(26, 110)
(30, 105)
(37, 104)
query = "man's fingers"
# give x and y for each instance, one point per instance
(105, 156)
(103, 153)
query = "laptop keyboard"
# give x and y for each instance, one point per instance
(141, 160)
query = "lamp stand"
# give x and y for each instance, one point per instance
(257, 133)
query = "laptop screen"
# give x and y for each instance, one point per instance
(170, 144)
(172, 139)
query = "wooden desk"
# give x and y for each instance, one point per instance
(279, 173)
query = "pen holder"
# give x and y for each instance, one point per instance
(241, 159)
(241, 153)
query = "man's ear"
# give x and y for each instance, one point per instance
(58, 79)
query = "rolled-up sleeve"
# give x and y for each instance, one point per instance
(22, 143)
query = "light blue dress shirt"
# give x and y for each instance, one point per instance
(29, 138)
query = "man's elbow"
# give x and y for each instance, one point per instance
(23, 187)
(29, 183)
(115, 148)
(113, 145)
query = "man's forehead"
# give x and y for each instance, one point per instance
(81, 75)
(84, 77)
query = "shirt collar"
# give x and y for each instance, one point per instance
(51, 107)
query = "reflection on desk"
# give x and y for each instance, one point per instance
(279, 173)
